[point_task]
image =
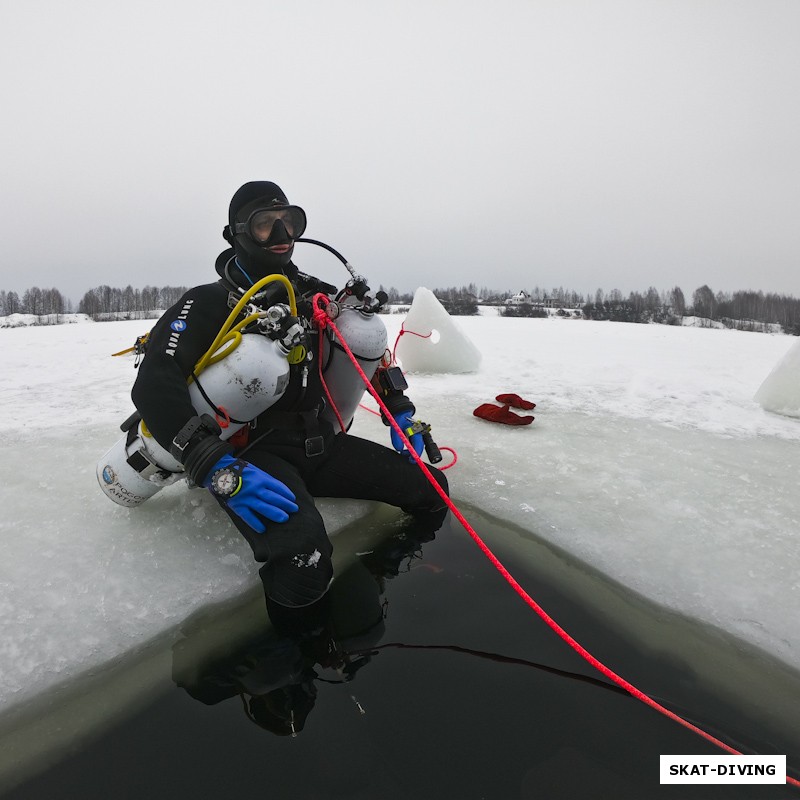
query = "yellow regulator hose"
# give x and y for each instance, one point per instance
(229, 336)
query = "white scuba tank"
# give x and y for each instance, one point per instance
(136, 467)
(243, 384)
(366, 336)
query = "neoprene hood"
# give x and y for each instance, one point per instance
(255, 258)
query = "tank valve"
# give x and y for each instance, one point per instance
(280, 325)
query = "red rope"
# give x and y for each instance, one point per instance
(371, 410)
(577, 647)
(413, 333)
(318, 318)
(453, 462)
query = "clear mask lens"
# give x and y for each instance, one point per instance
(261, 222)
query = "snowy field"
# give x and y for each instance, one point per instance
(648, 459)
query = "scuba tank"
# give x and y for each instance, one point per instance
(355, 311)
(365, 333)
(249, 378)
(137, 466)
(243, 384)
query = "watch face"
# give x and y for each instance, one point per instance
(225, 482)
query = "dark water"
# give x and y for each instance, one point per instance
(440, 683)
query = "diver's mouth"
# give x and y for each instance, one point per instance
(280, 249)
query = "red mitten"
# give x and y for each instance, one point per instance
(503, 415)
(516, 401)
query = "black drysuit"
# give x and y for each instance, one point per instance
(297, 553)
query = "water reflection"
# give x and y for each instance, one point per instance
(275, 671)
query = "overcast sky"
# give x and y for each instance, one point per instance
(509, 143)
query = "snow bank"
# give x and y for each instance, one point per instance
(26, 320)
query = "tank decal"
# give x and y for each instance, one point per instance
(118, 493)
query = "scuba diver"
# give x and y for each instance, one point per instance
(267, 476)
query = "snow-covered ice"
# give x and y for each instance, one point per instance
(649, 458)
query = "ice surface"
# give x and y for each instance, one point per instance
(433, 341)
(780, 391)
(649, 458)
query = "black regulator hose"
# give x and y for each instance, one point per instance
(358, 285)
(329, 249)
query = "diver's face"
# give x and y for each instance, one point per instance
(276, 226)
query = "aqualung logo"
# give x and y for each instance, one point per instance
(178, 326)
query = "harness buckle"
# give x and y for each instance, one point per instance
(315, 446)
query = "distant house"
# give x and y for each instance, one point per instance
(522, 298)
(519, 299)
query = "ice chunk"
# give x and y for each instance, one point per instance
(445, 347)
(780, 391)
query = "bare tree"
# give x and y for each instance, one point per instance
(32, 301)
(13, 304)
(652, 300)
(677, 301)
(704, 302)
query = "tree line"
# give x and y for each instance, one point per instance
(489, 297)
(102, 302)
(740, 308)
(106, 302)
(40, 302)
(744, 310)
(748, 310)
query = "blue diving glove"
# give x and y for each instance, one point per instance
(404, 420)
(250, 492)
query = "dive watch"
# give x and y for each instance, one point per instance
(227, 481)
